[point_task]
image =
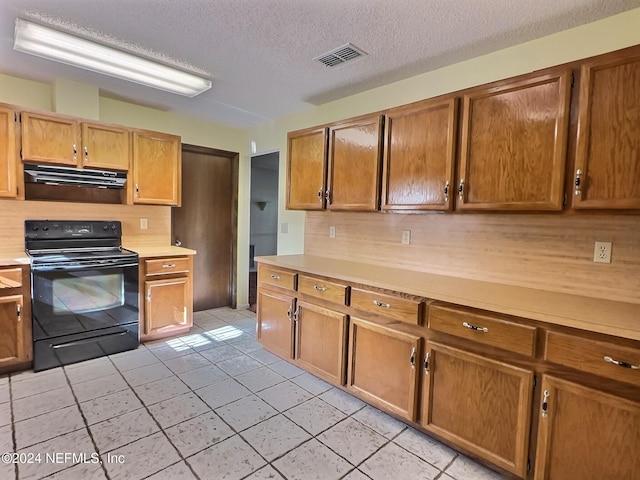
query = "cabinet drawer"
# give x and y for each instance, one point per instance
(163, 266)
(485, 329)
(594, 356)
(10, 278)
(277, 277)
(392, 306)
(330, 291)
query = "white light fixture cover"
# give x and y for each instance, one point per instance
(54, 45)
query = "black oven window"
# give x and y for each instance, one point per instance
(87, 293)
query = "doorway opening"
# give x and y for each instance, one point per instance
(263, 214)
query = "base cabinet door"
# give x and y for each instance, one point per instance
(478, 403)
(382, 366)
(167, 305)
(321, 341)
(275, 322)
(11, 330)
(586, 434)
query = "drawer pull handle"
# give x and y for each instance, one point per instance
(168, 265)
(545, 404)
(412, 358)
(319, 288)
(380, 304)
(19, 308)
(473, 327)
(275, 277)
(426, 362)
(621, 364)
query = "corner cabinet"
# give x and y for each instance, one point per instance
(355, 152)
(307, 169)
(15, 321)
(514, 144)
(587, 434)
(419, 154)
(8, 153)
(608, 150)
(157, 169)
(167, 289)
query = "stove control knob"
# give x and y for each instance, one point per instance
(45, 228)
(35, 228)
(113, 227)
(105, 227)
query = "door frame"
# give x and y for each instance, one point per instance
(234, 158)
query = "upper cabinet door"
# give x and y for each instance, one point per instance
(307, 169)
(607, 173)
(8, 153)
(104, 146)
(419, 155)
(354, 164)
(514, 141)
(157, 168)
(49, 139)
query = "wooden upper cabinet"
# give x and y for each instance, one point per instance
(607, 173)
(307, 169)
(8, 158)
(50, 139)
(419, 154)
(105, 146)
(513, 145)
(586, 434)
(354, 164)
(157, 168)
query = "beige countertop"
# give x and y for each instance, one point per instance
(14, 258)
(604, 316)
(159, 251)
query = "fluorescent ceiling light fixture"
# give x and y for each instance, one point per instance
(51, 44)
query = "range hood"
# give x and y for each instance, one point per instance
(81, 177)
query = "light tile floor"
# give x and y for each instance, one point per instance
(209, 405)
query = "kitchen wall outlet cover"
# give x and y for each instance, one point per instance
(406, 237)
(332, 231)
(144, 224)
(602, 252)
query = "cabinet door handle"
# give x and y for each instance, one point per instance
(461, 189)
(578, 182)
(275, 277)
(545, 404)
(621, 364)
(75, 152)
(319, 288)
(149, 295)
(289, 313)
(412, 358)
(19, 311)
(320, 194)
(295, 314)
(86, 154)
(327, 195)
(168, 265)
(473, 327)
(426, 362)
(137, 191)
(380, 304)
(446, 192)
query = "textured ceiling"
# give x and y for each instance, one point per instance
(259, 52)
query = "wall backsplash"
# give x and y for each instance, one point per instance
(13, 213)
(546, 251)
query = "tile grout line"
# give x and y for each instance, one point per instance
(13, 425)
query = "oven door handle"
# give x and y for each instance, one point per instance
(62, 268)
(85, 340)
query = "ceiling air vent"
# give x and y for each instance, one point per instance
(340, 55)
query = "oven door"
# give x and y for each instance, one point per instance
(83, 311)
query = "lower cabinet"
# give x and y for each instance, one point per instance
(167, 296)
(478, 403)
(320, 341)
(382, 366)
(586, 434)
(15, 322)
(275, 322)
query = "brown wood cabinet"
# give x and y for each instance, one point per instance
(383, 366)
(167, 296)
(513, 146)
(275, 322)
(157, 168)
(419, 150)
(321, 340)
(478, 403)
(586, 434)
(15, 321)
(8, 153)
(355, 153)
(307, 169)
(105, 146)
(607, 169)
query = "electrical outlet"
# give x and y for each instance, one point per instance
(144, 224)
(602, 252)
(406, 237)
(332, 231)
